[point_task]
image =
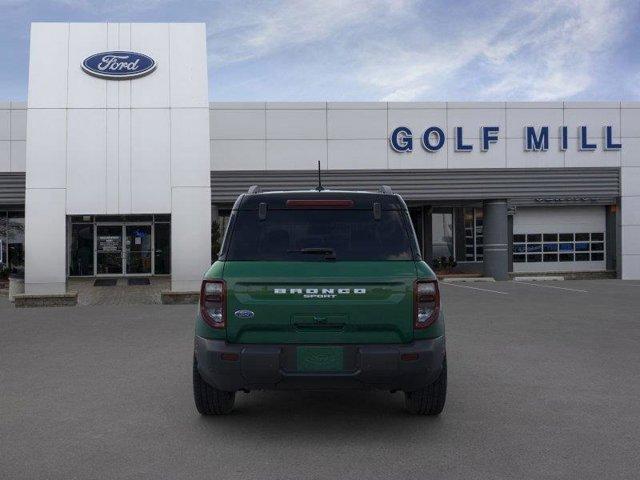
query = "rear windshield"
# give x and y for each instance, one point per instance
(319, 235)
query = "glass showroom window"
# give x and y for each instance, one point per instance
(81, 249)
(558, 247)
(162, 226)
(120, 244)
(15, 241)
(218, 228)
(473, 226)
(4, 266)
(442, 233)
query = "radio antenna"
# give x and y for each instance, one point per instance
(320, 187)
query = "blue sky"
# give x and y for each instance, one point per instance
(378, 49)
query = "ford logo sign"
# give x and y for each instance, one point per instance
(244, 314)
(118, 65)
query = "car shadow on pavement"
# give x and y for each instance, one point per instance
(321, 415)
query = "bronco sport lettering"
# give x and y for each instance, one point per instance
(320, 292)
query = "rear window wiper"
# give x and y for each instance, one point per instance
(329, 253)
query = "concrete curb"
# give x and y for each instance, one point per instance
(25, 300)
(538, 278)
(179, 298)
(468, 279)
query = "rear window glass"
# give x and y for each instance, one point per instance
(314, 235)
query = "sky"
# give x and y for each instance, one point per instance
(377, 50)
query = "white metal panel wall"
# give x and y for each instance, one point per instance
(630, 180)
(111, 147)
(13, 135)
(559, 220)
(356, 134)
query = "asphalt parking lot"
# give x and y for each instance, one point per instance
(544, 382)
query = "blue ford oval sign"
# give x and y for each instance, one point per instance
(244, 313)
(118, 65)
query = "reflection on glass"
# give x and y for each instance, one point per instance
(442, 231)
(571, 247)
(109, 249)
(81, 252)
(110, 263)
(138, 245)
(163, 248)
(15, 241)
(582, 247)
(3, 241)
(139, 262)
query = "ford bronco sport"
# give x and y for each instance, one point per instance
(319, 290)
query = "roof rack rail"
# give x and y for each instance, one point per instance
(386, 189)
(254, 189)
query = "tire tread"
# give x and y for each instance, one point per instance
(208, 399)
(431, 399)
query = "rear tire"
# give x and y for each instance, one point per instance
(431, 399)
(209, 400)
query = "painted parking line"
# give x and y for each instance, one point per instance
(473, 288)
(551, 286)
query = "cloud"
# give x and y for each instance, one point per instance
(99, 6)
(408, 50)
(263, 28)
(548, 50)
(389, 49)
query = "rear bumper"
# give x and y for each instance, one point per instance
(273, 367)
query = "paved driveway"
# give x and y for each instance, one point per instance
(544, 383)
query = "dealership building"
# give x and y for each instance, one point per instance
(118, 165)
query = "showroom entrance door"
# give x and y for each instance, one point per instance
(138, 245)
(124, 249)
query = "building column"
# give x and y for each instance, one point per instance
(510, 239)
(496, 254)
(611, 238)
(45, 241)
(190, 237)
(629, 266)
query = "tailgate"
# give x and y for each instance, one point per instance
(319, 302)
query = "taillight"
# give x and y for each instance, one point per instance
(426, 303)
(212, 303)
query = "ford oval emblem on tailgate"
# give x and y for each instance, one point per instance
(244, 314)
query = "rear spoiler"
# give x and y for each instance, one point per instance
(384, 189)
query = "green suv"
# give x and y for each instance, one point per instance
(319, 290)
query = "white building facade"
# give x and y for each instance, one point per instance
(126, 176)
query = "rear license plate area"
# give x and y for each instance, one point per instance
(320, 359)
